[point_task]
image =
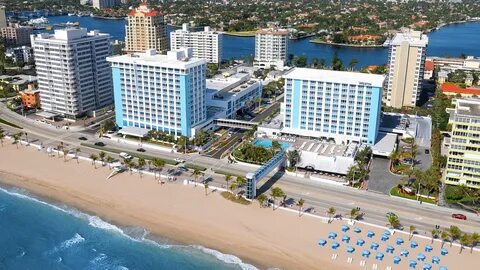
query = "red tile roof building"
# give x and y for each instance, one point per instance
(453, 89)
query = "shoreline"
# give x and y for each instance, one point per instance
(184, 214)
(346, 45)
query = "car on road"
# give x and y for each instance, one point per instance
(141, 150)
(179, 160)
(125, 155)
(427, 151)
(459, 216)
(82, 138)
(100, 144)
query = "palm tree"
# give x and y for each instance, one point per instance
(434, 233)
(464, 241)
(354, 213)
(293, 158)
(141, 164)
(241, 181)
(196, 173)
(276, 146)
(233, 186)
(475, 238)
(331, 213)
(412, 230)
(102, 155)
(393, 221)
(261, 199)
(455, 233)
(300, 204)
(353, 62)
(159, 164)
(109, 161)
(16, 138)
(445, 236)
(276, 192)
(2, 135)
(394, 157)
(65, 153)
(77, 150)
(60, 148)
(94, 158)
(206, 188)
(228, 177)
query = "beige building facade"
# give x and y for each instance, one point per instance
(405, 69)
(145, 29)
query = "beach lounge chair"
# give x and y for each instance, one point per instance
(357, 230)
(399, 241)
(332, 235)
(350, 249)
(384, 238)
(427, 266)
(360, 242)
(390, 249)
(335, 245)
(322, 242)
(404, 253)
(443, 268)
(412, 264)
(444, 251)
(421, 257)
(435, 260)
(379, 256)
(345, 228)
(428, 248)
(374, 246)
(413, 244)
(366, 253)
(346, 239)
(396, 260)
(370, 234)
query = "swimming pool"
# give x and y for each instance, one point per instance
(267, 143)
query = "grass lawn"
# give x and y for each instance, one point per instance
(396, 192)
(9, 124)
(238, 199)
(242, 33)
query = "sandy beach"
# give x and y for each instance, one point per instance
(183, 213)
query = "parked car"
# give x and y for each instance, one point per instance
(427, 151)
(179, 160)
(141, 150)
(125, 155)
(100, 144)
(459, 216)
(82, 138)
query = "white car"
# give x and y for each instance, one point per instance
(125, 155)
(179, 160)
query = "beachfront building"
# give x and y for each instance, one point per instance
(102, 4)
(343, 106)
(145, 30)
(206, 44)
(74, 77)
(15, 35)
(271, 48)
(405, 69)
(160, 92)
(23, 54)
(463, 163)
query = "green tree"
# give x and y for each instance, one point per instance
(102, 156)
(2, 135)
(445, 236)
(109, 161)
(158, 164)
(352, 64)
(393, 221)
(94, 158)
(206, 188)
(337, 63)
(434, 234)
(77, 151)
(475, 239)
(465, 240)
(354, 213)
(65, 153)
(300, 204)
(331, 213)
(412, 231)
(228, 177)
(196, 173)
(262, 198)
(16, 138)
(293, 158)
(276, 192)
(455, 233)
(141, 164)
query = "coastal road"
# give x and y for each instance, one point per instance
(318, 195)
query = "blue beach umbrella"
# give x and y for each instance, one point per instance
(366, 253)
(357, 230)
(335, 245)
(350, 249)
(390, 249)
(346, 238)
(386, 232)
(379, 256)
(436, 260)
(374, 246)
(360, 242)
(396, 260)
(399, 241)
(443, 268)
(412, 264)
(384, 237)
(428, 248)
(345, 228)
(421, 257)
(322, 242)
(404, 253)
(413, 244)
(427, 266)
(444, 251)
(332, 235)
(370, 234)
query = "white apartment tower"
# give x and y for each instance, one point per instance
(160, 92)
(271, 47)
(145, 30)
(74, 77)
(405, 69)
(206, 44)
(101, 4)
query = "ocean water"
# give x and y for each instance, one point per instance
(35, 234)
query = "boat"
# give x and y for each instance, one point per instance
(72, 23)
(71, 14)
(41, 20)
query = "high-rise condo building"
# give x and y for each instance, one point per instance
(463, 164)
(160, 92)
(74, 77)
(405, 69)
(327, 104)
(16, 35)
(145, 30)
(271, 47)
(206, 44)
(3, 18)
(101, 4)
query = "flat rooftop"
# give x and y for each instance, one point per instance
(323, 148)
(335, 76)
(470, 107)
(173, 59)
(414, 38)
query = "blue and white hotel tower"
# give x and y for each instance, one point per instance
(327, 104)
(160, 92)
